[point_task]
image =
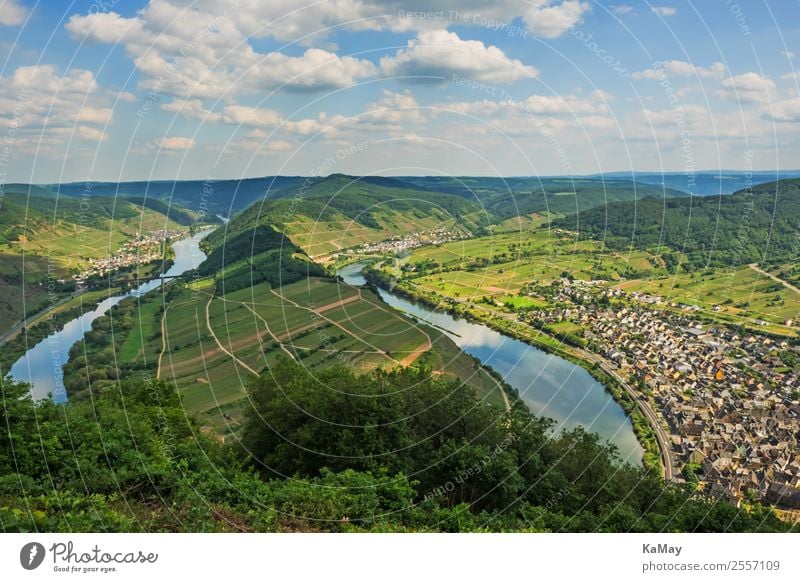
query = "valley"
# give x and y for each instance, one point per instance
(523, 310)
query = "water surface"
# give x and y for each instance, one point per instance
(42, 365)
(550, 385)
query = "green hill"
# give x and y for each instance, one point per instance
(760, 225)
(46, 239)
(520, 196)
(338, 212)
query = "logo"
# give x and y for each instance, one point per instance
(31, 555)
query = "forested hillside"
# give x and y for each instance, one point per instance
(398, 451)
(761, 225)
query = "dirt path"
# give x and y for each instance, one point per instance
(337, 324)
(411, 358)
(789, 286)
(269, 331)
(339, 303)
(163, 339)
(219, 343)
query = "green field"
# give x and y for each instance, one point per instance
(734, 295)
(317, 322)
(500, 266)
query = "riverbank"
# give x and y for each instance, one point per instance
(43, 350)
(656, 449)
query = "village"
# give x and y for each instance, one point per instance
(728, 397)
(400, 244)
(142, 249)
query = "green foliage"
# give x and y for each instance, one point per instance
(757, 225)
(386, 452)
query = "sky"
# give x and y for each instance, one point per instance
(117, 90)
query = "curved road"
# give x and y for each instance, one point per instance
(786, 284)
(8, 335)
(667, 462)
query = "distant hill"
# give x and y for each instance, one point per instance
(337, 212)
(760, 225)
(213, 197)
(705, 183)
(511, 197)
(226, 198)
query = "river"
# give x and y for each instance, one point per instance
(550, 385)
(42, 365)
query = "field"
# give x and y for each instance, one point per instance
(210, 346)
(734, 295)
(320, 238)
(501, 265)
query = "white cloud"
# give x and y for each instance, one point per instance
(12, 13)
(665, 10)
(250, 116)
(436, 55)
(552, 20)
(91, 134)
(788, 54)
(681, 69)
(316, 69)
(53, 107)
(621, 9)
(787, 110)
(204, 51)
(748, 88)
(171, 143)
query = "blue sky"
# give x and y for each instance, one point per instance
(124, 90)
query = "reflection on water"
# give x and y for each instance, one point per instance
(550, 385)
(41, 366)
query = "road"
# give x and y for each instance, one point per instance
(219, 343)
(667, 461)
(13, 331)
(789, 286)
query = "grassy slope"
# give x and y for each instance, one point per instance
(340, 212)
(40, 233)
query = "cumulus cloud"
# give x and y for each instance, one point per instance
(681, 69)
(50, 107)
(12, 13)
(203, 51)
(665, 10)
(173, 143)
(316, 69)
(748, 88)
(436, 55)
(550, 20)
(621, 9)
(787, 110)
(251, 116)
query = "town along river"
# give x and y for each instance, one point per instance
(41, 366)
(550, 385)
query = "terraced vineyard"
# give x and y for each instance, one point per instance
(212, 346)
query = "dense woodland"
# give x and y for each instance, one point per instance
(759, 225)
(398, 451)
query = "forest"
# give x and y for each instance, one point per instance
(388, 451)
(757, 225)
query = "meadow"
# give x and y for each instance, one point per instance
(211, 346)
(500, 266)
